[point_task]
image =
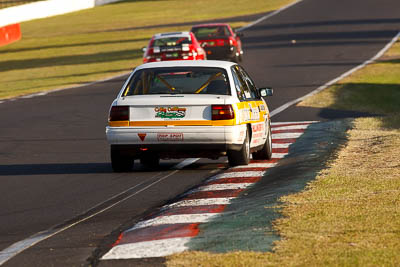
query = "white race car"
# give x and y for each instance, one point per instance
(179, 109)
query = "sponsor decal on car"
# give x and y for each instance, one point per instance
(173, 55)
(142, 136)
(170, 112)
(255, 113)
(258, 132)
(258, 127)
(170, 136)
(249, 114)
(244, 115)
(256, 136)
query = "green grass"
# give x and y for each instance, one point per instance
(102, 42)
(10, 3)
(350, 214)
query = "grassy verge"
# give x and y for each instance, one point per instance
(10, 3)
(350, 214)
(102, 42)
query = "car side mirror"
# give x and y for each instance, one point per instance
(267, 91)
(203, 44)
(239, 34)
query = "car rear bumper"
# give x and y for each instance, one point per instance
(171, 142)
(220, 52)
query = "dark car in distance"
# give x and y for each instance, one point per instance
(219, 41)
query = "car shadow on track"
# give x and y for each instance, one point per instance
(55, 168)
(89, 168)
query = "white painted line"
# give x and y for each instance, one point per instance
(277, 145)
(237, 174)
(218, 187)
(256, 165)
(286, 135)
(20, 246)
(291, 127)
(276, 124)
(201, 202)
(148, 249)
(344, 75)
(33, 95)
(268, 16)
(279, 155)
(173, 219)
(185, 163)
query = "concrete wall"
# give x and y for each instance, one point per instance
(43, 9)
(104, 2)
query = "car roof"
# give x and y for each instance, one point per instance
(171, 34)
(210, 24)
(188, 63)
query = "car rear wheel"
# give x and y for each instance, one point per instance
(241, 157)
(121, 163)
(240, 57)
(150, 161)
(266, 151)
(236, 56)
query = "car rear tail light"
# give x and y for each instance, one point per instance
(222, 112)
(149, 56)
(220, 42)
(119, 113)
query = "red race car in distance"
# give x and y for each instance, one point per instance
(173, 46)
(219, 41)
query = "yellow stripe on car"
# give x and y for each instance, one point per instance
(171, 123)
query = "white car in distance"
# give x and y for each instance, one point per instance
(180, 109)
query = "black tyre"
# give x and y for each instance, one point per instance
(121, 163)
(150, 161)
(240, 57)
(236, 57)
(241, 157)
(266, 151)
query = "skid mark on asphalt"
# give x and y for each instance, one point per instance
(171, 230)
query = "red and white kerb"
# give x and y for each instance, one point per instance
(169, 231)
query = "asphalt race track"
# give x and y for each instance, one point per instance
(54, 160)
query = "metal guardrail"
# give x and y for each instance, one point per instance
(10, 3)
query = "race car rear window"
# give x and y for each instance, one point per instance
(210, 32)
(178, 80)
(171, 41)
